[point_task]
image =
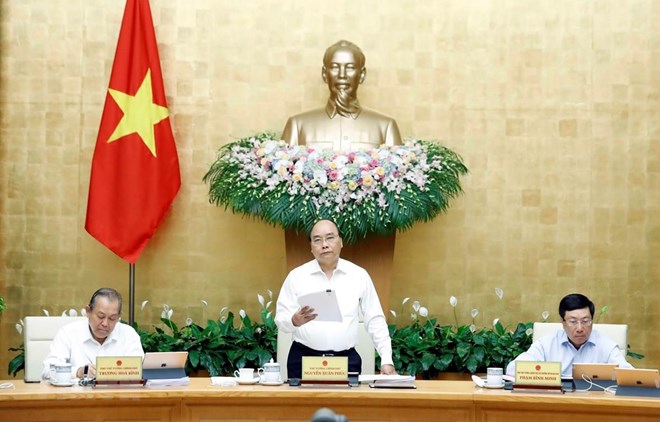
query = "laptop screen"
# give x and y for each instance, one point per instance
(164, 365)
(155, 360)
(638, 377)
(595, 371)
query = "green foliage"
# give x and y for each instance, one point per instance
(3, 305)
(220, 347)
(428, 348)
(634, 355)
(244, 180)
(17, 364)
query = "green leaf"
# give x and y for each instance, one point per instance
(427, 361)
(17, 364)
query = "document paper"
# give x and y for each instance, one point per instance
(324, 303)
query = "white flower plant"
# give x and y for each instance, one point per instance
(223, 344)
(422, 346)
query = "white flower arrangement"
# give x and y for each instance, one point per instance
(381, 190)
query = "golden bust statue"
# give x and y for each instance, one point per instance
(342, 125)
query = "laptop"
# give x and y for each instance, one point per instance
(638, 382)
(164, 365)
(638, 377)
(602, 375)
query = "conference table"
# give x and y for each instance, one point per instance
(202, 401)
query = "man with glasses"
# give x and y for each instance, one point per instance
(576, 343)
(355, 293)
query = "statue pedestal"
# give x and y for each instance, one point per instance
(375, 254)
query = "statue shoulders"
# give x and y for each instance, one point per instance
(368, 130)
(373, 114)
(310, 114)
(321, 112)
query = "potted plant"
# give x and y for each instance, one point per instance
(220, 347)
(426, 348)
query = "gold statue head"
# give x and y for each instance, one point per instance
(343, 70)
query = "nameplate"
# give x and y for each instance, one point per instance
(118, 368)
(325, 368)
(538, 374)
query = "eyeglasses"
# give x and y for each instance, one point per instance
(318, 241)
(575, 322)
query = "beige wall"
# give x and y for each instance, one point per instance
(554, 105)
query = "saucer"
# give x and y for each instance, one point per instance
(63, 384)
(271, 383)
(247, 382)
(493, 386)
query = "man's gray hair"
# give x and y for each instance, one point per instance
(108, 293)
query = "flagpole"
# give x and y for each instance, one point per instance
(131, 293)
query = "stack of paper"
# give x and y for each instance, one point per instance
(168, 382)
(389, 381)
(379, 377)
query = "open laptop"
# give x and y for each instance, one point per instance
(164, 365)
(602, 375)
(638, 377)
(638, 382)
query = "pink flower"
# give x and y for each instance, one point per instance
(333, 174)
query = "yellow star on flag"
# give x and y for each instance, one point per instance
(140, 114)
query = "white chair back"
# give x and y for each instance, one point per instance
(38, 333)
(617, 332)
(365, 348)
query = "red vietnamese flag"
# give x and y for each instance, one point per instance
(135, 169)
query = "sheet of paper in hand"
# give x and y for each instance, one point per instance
(324, 303)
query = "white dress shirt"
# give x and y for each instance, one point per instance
(74, 344)
(557, 348)
(355, 292)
